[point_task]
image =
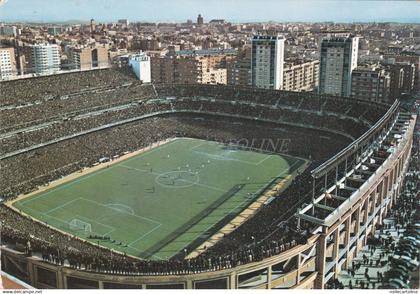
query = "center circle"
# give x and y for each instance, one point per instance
(177, 179)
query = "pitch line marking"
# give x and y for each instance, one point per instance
(227, 158)
(66, 222)
(93, 221)
(135, 215)
(110, 205)
(148, 151)
(45, 215)
(62, 205)
(211, 238)
(189, 183)
(196, 146)
(67, 184)
(158, 174)
(145, 234)
(263, 187)
(135, 168)
(262, 160)
(224, 158)
(139, 251)
(108, 232)
(60, 187)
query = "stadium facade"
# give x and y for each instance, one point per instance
(352, 189)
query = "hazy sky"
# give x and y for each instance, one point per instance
(231, 10)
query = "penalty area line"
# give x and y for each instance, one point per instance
(145, 234)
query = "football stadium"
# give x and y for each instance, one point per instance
(109, 183)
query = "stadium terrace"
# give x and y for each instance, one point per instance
(286, 217)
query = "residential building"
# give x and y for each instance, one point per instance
(397, 81)
(239, 68)
(200, 70)
(44, 59)
(267, 60)
(100, 57)
(372, 83)
(124, 22)
(146, 44)
(86, 58)
(192, 66)
(140, 63)
(92, 26)
(163, 69)
(8, 31)
(409, 76)
(338, 59)
(20, 63)
(301, 76)
(80, 58)
(200, 20)
(7, 63)
(214, 76)
(402, 78)
(406, 57)
(53, 31)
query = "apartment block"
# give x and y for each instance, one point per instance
(239, 68)
(45, 58)
(7, 63)
(372, 83)
(267, 60)
(301, 76)
(87, 58)
(403, 76)
(188, 67)
(338, 59)
(140, 64)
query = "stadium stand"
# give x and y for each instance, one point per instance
(53, 126)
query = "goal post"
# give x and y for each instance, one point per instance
(79, 225)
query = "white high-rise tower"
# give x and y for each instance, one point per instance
(140, 63)
(267, 61)
(338, 59)
(45, 58)
(7, 63)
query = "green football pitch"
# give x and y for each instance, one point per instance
(155, 204)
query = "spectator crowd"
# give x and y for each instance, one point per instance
(68, 122)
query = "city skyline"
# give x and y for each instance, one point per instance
(232, 10)
(185, 144)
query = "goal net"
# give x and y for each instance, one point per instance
(79, 225)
